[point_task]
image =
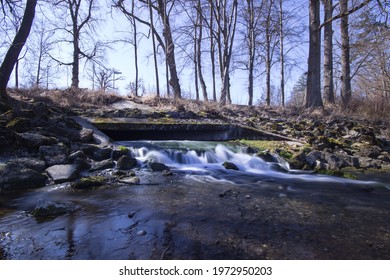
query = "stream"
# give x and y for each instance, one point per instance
(263, 210)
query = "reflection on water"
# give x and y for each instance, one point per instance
(203, 212)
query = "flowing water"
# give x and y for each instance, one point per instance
(263, 210)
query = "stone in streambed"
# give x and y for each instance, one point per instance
(63, 172)
(126, 162)
(157, 166)
(49, 209)
(230, 165)
(101, 165)
(130, 180)
(89, 182)
(55, 154)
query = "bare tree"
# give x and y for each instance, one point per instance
(345, 55)
(166, 41)
(328, 53)
(226, 18)
(313, 90)
(251, 18)
(199, 26)
(104, 78)
(14, 50)
(80, 13)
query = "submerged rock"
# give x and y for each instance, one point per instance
(49, 209)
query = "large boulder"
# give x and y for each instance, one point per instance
(63, 172)
(30, 163)
(13, 176)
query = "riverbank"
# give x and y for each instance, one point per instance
(49, 140)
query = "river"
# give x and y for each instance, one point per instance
(262, 210)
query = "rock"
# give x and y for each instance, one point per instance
(157, 166)
(82, 163)
(102, 154)
(34, 140)
(86, 135)
(268, 157)
(141, 232)
(55, 154)
(101, 165)
(130, 180)
(120, 151)
(167, 173)
(369, 151)
(312, 157)
(19, 124)
(89, 182)
(16, 177)
(366, 162)
(229, 165)
(63, 172)
(49, 209)
(126, 162)
(30, 163)
(76, 155)
(334, 162)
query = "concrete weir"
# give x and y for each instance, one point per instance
(120, 129)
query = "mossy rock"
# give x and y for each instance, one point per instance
(337, 173)
(18, 124)
(89, 182)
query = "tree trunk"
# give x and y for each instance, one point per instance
(199, 52)
(328, 53)
(313, 88)
(212, 52)
(251, 50)
(13, 52)
(268, 55)
(281, 52)
(154, 49)
(345, 59)
(196, 57)
(135, 50)
(17, 74)
(170, 50)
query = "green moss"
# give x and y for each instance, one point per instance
(18, 123)
(89, 182)
(337, 173)
(285, 154)
(262, 145)
(123, 149)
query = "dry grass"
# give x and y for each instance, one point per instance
(71, 98)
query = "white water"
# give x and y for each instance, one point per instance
(206, 159)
